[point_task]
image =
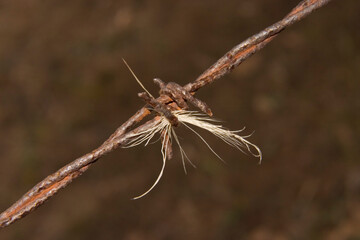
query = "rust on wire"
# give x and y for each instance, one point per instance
(180, 95)
(244, 50)
(60, 179)
(160, 108)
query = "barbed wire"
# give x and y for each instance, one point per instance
(48, 187)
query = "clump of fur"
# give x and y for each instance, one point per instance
(187, 118)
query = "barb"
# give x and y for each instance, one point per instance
(60, 179)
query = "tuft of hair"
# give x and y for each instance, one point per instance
(187, 118)
(232, 138)
(139, 82)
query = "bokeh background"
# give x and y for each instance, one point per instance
(64, 90)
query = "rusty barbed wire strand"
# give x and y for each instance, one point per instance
(48, 187)
(245, 49)
(60, 179)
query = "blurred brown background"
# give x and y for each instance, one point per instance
(64, 90)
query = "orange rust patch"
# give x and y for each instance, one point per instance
(302, 7)
(42, 193)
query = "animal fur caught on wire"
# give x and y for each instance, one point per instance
(187, 118)
(170, 119)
